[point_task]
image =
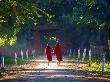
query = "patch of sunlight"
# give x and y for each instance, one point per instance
(51, 71)
(3, 40)
(98, 66)
(81, 17)
(12, 40)
(56, 76)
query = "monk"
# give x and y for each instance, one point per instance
(58, 53)
(48, 53)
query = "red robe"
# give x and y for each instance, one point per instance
(48, 53)
(58, 52)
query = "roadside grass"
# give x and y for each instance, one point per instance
(11, 61)
(95, 65)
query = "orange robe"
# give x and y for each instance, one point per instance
(58, 52)
(48, 53)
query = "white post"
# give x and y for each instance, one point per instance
(3, 61)
(70, 53)
(79, 53)
(33, 53)
(64, 52)
(22, 55)
(84, 54)
(27, 54)
(90, 55)
(16, 58)
(103, 63)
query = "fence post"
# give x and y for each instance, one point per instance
(79, 53)
(16, 58)
(64, 52)
(90, 55)
(22, 54)
(84, 54)
(3, 61)
(33, 53)
(70, 53)
(103, 63)
(27, 54)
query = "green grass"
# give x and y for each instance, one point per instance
(11, 61)
(98, 67)
(95, 64)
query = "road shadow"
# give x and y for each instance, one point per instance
(54, 75)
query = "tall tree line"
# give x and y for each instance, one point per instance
(82, 22)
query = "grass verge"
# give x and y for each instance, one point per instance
(95, 65)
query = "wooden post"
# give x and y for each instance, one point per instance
(3, 61)
(103, 63)
(108, 48)
(84, 54)
(16, 58)
(79, 53)
(22, 55)
(27, 54)
(90, 55)
(70, 53)
(33, 53)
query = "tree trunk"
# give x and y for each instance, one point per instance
(108, 50)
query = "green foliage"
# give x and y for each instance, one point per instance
(50, 40)
(75, 16)
(12, 40)
(14, 15)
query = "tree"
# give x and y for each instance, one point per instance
(83, 18)
(15, 14)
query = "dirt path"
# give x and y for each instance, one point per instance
(68, 71)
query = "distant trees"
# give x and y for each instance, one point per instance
(83, 22)
(88, 17)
